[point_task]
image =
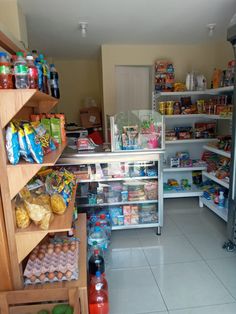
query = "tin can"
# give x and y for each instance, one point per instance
(169, 107)
(162, 107)
(200, 105)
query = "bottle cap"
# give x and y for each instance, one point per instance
(95, 243)
(20, 54)
(29, 58)
(96, 229)
(103, 216)
(98, 273)
(52, 65)
(3, 54)
(96, 252)
(41, 56)
(97, 224)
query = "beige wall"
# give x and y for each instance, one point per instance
(12, 17)
(78, 79)
(201, 58)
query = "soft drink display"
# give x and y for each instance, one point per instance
(96, 263)
(55, 92)
(98, 296)
(33, 72)
(5, 72)
(21, 71)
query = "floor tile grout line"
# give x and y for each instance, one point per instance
(212, 270)
(157, 284)
(200, 307)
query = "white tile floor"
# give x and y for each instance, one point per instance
(183, 271)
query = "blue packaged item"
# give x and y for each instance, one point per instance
(24, 150)
(114, 213)
(39, 67)
(12, 144)
(34, 146)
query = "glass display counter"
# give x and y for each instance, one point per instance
(137, 130)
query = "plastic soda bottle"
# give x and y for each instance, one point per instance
(98, 235)
(5, 72)
(99, 278)
(33, 72)
(45, 77)
(21, 71)
(98, 296)
(39, 67)
(54, 82)
(96, 263)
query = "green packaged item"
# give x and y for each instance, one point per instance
(47, 124)
(56, 129)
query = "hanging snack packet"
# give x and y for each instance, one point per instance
(24, 150)
(12, 144)
(34, 145)
(43, 137)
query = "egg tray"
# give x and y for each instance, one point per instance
(53, 263)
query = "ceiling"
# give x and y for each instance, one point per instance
(54, 28)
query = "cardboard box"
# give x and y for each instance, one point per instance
(90, 117)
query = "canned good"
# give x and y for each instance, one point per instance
(169, 107)
(162, 107)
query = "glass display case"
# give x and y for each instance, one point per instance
(137, 130)
(129, 192)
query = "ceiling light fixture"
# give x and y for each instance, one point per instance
(83, 26)
(211, 28)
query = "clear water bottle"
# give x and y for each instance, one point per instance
(54, 82)
(105, 225)
(98, 235)
(21, 71)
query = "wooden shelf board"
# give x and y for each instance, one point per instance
(13, 100)
(28, 238)
(20, 174)
(81, 233)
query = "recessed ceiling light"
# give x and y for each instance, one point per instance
(83, 26)
(211, 27)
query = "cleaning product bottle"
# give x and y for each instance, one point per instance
(221, 199)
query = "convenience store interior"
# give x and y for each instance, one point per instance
(107, 55)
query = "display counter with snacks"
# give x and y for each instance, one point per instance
(127, 185)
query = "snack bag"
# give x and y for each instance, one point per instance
(22, 217)
(56, 129)
(58, 204)
(33, 144)
(24, 150)
(12, 144)
(43, 137)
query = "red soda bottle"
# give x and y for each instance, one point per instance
(5, 72)
(32, 73)
(98, 296)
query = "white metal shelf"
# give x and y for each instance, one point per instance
(213, 178)
(119, 203)
(212, 91)
(214, 149)
(221, 212)
(117, 179)
(195, 191)
(198, 115)
(192, 140)
(148, 225)
(178, 169)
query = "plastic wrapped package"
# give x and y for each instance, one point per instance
(58, 204)
(33, 144)
(22, 217)
(24, 150)
(12, 144)
(43, 137)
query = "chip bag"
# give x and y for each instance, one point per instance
(34, 145)
(12, 144)
(24, 150)
(58, 204)
(43, 137)
(22, 217)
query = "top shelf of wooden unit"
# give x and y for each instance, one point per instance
(13, 100)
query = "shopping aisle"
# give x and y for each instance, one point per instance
(185, 271)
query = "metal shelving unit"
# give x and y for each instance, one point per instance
(119, 203)
(214, 149)
(223, 183)
(118, 179)
(221, 212)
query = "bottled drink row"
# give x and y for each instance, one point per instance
(30, 71)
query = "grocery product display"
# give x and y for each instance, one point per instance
(225, 77)
(137, 130)
(164, 76)
(183, 160)
(28, 71)
(47, 194)
(53, 261)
